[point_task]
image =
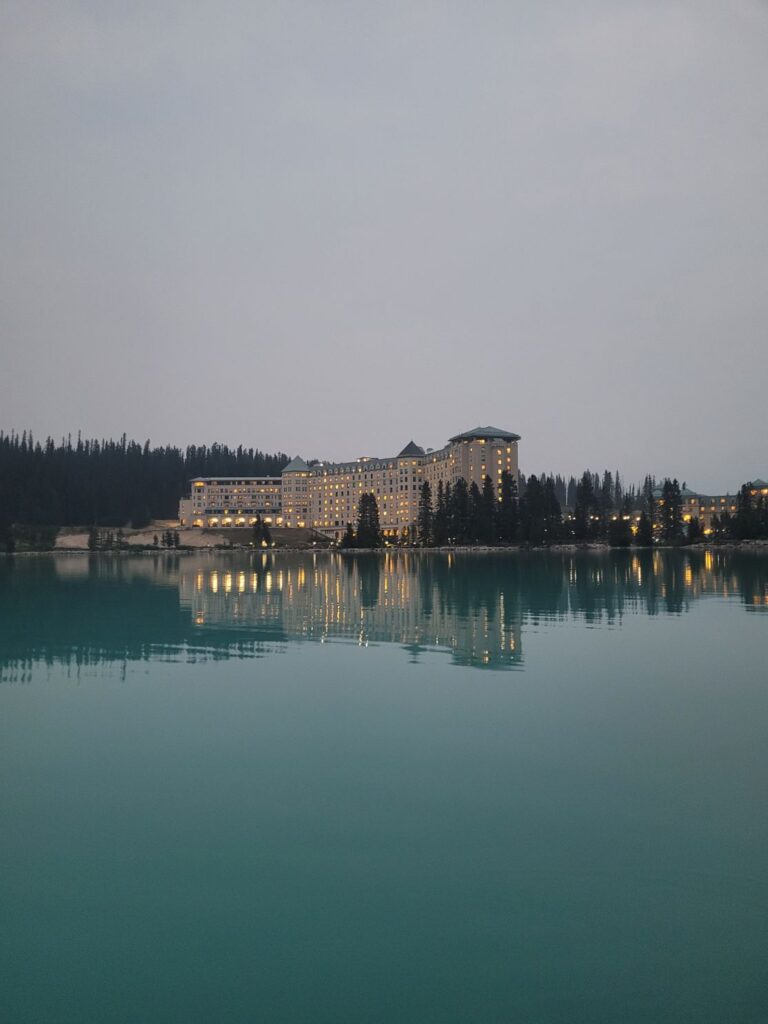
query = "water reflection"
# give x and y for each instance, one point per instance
(474, 608)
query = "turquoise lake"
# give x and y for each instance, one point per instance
(419, 789)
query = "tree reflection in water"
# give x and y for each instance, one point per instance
(84, 610)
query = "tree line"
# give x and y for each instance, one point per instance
(749, 522)
(114, 484)
(468, 514)
(110, 483)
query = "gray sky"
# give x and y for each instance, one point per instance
(327, 228)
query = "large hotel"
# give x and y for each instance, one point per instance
(325, 496)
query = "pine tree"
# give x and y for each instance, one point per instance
(619, 531)
(618, 490)
(82, 482)
(348, 540)
(671, 512)
(553, 518)
(570, 495)
(440, 525)
(745, 520)
(644, 535)
(647, 489)
(487, 512)
(694, 530)
(584, 507)
(474, 517)
(425, 521)
(605, 503)
(508, 518)
(533, 511)
(458, 512)
(368, 528)
(258, 532)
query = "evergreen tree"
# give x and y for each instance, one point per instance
(647, 499)
(348, 540)
(584, 508)
(487, 512)
(604, 505)
(553, 519)
(425, 521)
(619, 531)
(539, 511)
(745, 520)
(458, 512)
(82, 482)
(508, 509)
(561, 490)
(368, 528)
(694, 530)
(644, 535)
(671, 512)
(727, 525)
(761, 517)
(440, 525)
(570, 495)
(473, 526)
(262, 538)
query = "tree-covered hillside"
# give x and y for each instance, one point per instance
(112, 483)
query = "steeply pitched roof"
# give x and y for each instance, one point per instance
(295, 465)
(411, 449)
(485, 434)
(685, 492)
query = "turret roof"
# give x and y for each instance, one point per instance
(295, 465)
(411, 449)
(485, 434)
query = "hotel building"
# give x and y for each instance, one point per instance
(226, 501)
(703, 507)
(325, 496)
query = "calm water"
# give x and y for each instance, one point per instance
(309, 788)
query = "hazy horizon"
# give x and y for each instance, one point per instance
(327, 230)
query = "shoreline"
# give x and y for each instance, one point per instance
(134, 551)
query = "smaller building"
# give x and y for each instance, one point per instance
(703, 507)
(232, 501)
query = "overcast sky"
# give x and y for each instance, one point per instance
(326, 228)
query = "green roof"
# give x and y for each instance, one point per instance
(295, 465)
(411, 449)
(485, 434)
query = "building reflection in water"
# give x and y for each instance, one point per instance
(84, 610)
(423, 603)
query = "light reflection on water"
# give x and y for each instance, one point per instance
(475, 608)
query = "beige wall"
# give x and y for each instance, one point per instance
(231, 501)
(335, 490)
(326, 496)
(295, 498)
